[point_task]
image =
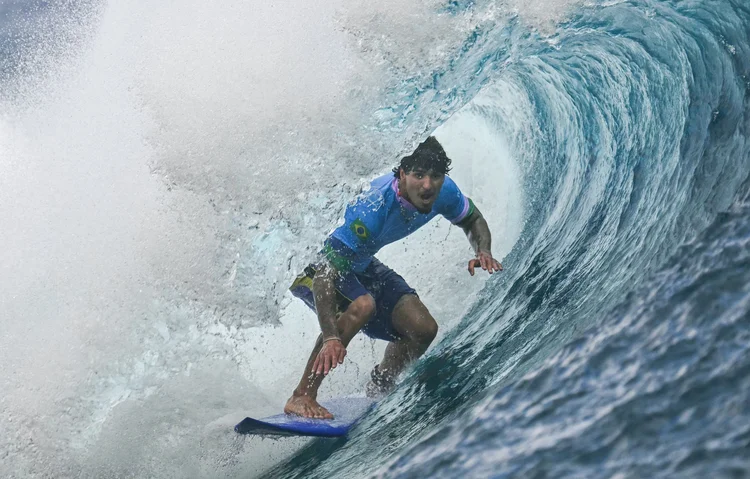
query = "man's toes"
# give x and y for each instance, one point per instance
(323, 413)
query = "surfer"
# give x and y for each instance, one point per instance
(352, 291)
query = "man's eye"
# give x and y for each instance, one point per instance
(419, 176)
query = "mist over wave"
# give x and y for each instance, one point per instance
(167, 169)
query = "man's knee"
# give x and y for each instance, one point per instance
(412, 319)
(427, 331)
(362, 308)
(364, 305)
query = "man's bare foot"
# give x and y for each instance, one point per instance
(306, 406)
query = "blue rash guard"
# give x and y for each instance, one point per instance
(375, 218)
(381, 216)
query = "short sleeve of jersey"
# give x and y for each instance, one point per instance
(363, 222)
(452, 204)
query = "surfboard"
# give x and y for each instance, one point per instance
(346, 412)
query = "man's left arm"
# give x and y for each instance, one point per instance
(478, 232)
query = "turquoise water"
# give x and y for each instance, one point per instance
(616, 342)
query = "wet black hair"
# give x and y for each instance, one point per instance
(429, 155)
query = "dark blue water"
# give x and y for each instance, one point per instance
(616, 342)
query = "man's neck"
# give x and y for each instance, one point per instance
(402, 193)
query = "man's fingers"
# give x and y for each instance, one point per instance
(335, 361)
(315, 365)
(328, 359)
(321, 365)
(486, 262)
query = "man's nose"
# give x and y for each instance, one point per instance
(427, 183)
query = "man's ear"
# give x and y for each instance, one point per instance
(401, 173)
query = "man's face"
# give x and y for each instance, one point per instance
(421, 187)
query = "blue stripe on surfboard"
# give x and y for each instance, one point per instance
(346, 413)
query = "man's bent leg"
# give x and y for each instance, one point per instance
(304, 398)
(418, 329)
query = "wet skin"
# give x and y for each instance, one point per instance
(412, 321)
(420, 188)
(326, 355)
(410, 317)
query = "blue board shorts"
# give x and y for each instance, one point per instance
(380, 281)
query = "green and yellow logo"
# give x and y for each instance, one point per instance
(359, 229)
(335, 259)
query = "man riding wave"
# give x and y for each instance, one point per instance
(351, 290)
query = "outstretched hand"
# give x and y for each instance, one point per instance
(486, 261)
(331, 355)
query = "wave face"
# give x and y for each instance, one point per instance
(147, 165)
(615, 343)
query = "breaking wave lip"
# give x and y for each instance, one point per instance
(629, 127)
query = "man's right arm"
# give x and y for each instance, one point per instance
(342, 252)
(332, 350)
(324, 290)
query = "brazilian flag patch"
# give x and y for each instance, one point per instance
(359, 229)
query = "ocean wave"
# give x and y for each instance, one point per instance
(613, 343)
